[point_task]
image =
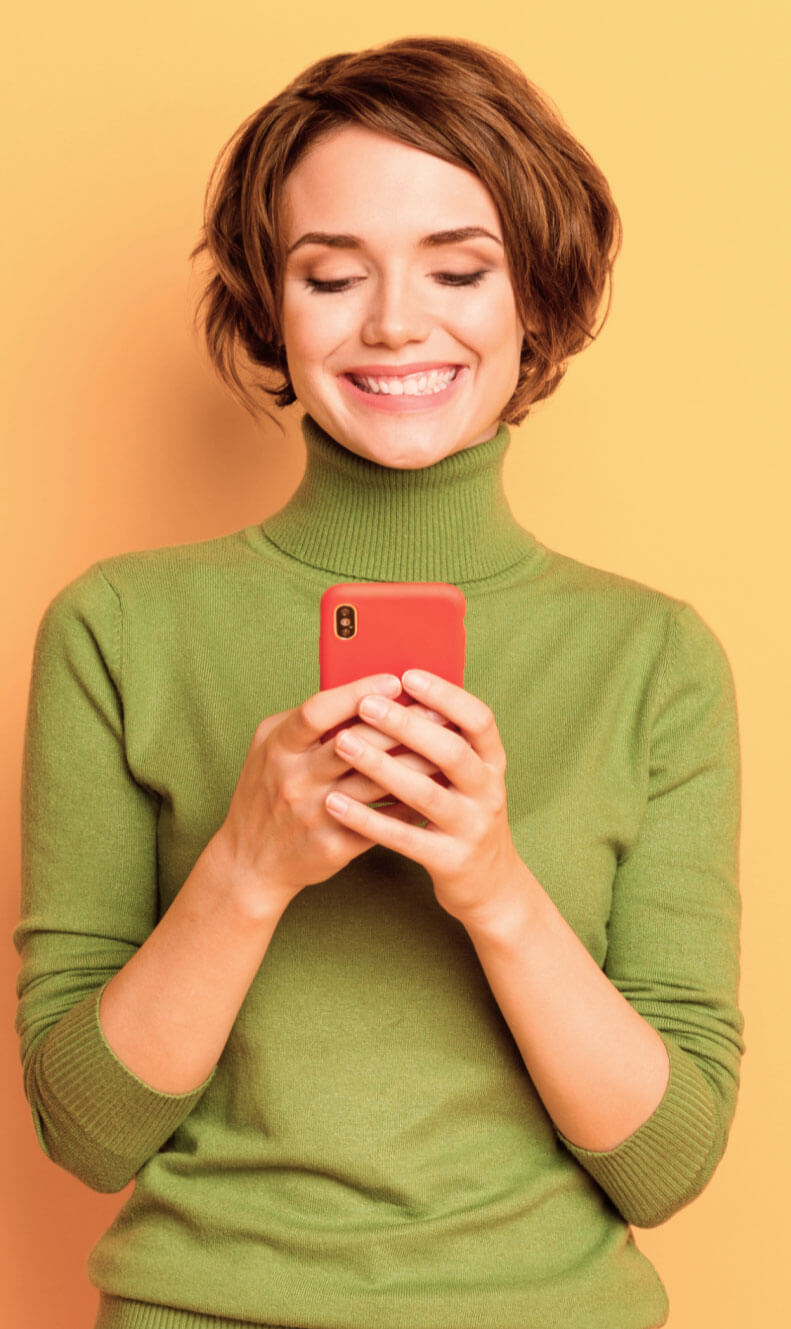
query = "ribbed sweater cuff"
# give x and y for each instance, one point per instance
(120, 1313)
(99, 1099)
(665, 1157)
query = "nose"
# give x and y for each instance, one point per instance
(395, 313)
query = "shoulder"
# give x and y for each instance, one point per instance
(177, 565)
(604, 590)
(107, 583)
(154, 589)
(600, 594)
(631, 624)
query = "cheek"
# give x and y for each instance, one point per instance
(491, 323)
(303, 347)
(311, 331)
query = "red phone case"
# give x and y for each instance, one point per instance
(398, 626)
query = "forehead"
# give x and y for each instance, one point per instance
(354, 178)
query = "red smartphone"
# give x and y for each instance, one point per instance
(387, 627)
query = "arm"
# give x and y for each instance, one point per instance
(599, 1067)
(168, 1012)
(106, 1094)
(638, 1064)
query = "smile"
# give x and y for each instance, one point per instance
(410, 392)
(410, 385)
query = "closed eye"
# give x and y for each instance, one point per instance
(445, 278)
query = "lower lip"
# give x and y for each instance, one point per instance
(380, 401)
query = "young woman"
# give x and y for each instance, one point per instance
(424, 1064)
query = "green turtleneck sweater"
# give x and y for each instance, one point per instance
(369, 1151)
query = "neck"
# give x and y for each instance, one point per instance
(356, 518)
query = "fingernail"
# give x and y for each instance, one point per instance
(373, 706)
(347, 742)
(415, 680)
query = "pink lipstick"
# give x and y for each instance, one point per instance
(403, 402)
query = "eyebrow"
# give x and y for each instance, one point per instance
(343, 241)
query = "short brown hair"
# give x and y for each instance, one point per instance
(461, 102)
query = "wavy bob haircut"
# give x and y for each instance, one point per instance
(461, 102)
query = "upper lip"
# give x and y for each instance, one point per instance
(400, 371)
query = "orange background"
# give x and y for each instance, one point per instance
(660, 456)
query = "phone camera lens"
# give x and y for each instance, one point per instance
(345, 621)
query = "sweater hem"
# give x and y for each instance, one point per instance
(123, 1313)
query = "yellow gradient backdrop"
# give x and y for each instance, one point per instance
(663, 456)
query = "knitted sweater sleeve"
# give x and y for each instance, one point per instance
(673, 933)
(89, 896)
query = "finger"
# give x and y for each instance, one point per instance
(402, 699)
(379, 738)
(359, 786)
(398, 810)
(449, 751)
(333, 765)
(403, 836)
(383, 740)
(474, 718)
(306, 724)
(415, 790)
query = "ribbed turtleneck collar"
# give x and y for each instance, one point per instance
(355, 518)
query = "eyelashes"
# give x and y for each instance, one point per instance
(445, 278)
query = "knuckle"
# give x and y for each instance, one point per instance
(404, 719)
(500, 801)
(375, 738)
(306, 714)
(292, 788)
(457, 748)
(314, 821)
(262, 731)
(434, 795)
(373, 759)
(485, 720)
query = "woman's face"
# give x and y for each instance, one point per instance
(400, 298)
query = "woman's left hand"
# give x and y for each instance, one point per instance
(466, 847)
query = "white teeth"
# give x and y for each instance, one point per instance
(412, 385)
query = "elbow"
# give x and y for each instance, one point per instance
(646, 1213)
(651, 1205)
(669, 1160)
(107, 1183)
(67, 1147)
(107, 1176)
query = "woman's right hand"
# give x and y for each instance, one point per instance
(277, 836)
